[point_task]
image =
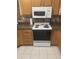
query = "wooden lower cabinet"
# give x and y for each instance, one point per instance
(19, 38)
(24, 37)
(56, 38)
(27, 37)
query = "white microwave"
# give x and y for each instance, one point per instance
(41, 12)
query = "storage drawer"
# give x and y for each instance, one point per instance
(27, 39)
(28, 42)
(29, 32)
(19, 34)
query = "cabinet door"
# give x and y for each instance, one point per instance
(57, 38)
(47, 2)
(27, 37)
(56, 7)
(36, 3)
(25, 7)
(41, 3)
(19, 38)
(18, 12)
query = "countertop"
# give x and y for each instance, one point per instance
(24, 26)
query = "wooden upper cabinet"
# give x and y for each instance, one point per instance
(56, 7)
(48, 2)
(36, 3)
(25, 7)
(54, 3)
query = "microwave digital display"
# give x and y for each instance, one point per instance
(39, 13)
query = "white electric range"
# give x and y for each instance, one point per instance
(41, 34)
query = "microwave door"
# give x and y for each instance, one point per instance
(39, 13)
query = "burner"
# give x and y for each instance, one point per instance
(46, 26)
(41, 24)
(36, 26)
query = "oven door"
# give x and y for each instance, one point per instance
(41, 35)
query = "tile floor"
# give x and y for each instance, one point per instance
(31, 52)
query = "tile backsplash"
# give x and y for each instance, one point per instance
(54, 19)
(41, 20)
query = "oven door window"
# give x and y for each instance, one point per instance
(40, 35)
(39, 13)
